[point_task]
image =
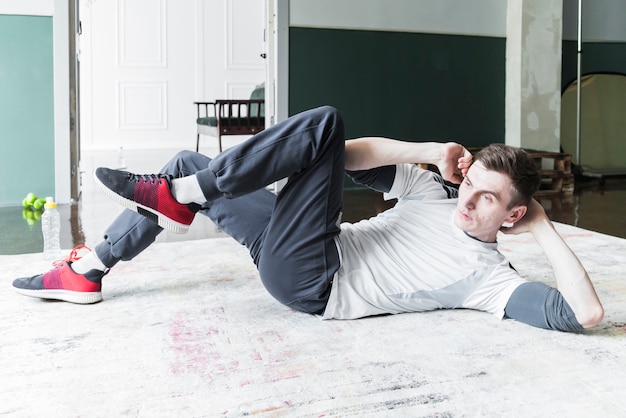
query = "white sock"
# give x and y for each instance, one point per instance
(187, 190)
(88, 262)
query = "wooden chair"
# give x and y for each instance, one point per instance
(231, 117)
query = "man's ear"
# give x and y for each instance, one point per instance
(516, 214)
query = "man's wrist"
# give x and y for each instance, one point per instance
(541, 226)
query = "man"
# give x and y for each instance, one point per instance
(435, 249)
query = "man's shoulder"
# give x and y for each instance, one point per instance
(412, 180)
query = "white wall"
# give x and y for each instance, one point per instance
(30, 7)
(603, 20)
(467, 17)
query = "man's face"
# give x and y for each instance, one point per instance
(484, 196)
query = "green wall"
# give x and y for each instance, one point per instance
(411, 86)
(597, 57)
(26, 108)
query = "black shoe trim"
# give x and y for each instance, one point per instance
(150, 215)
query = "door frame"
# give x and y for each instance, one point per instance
(74, 104)
(62, 164)
(277, 45)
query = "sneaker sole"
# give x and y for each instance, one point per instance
(81, 298)
(154, 215)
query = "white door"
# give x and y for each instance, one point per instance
(144, 63)
(231, 42)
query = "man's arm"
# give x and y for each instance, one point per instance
(452, 159)
(571, 277)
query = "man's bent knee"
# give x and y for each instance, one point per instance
(313, 303)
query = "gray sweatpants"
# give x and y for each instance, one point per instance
(290, 236)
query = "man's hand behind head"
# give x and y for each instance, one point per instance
(455, 161)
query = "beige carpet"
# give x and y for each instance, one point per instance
(187, 330)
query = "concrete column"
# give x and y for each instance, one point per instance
(533, 74)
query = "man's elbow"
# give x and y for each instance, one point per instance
(592, 316)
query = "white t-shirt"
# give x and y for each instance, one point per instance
(413, 258)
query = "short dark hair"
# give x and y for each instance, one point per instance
(515, 163)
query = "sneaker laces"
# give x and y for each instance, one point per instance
(73, 255)
(149, 178)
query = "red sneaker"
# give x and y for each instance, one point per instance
(148, 195)
(62, 283)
